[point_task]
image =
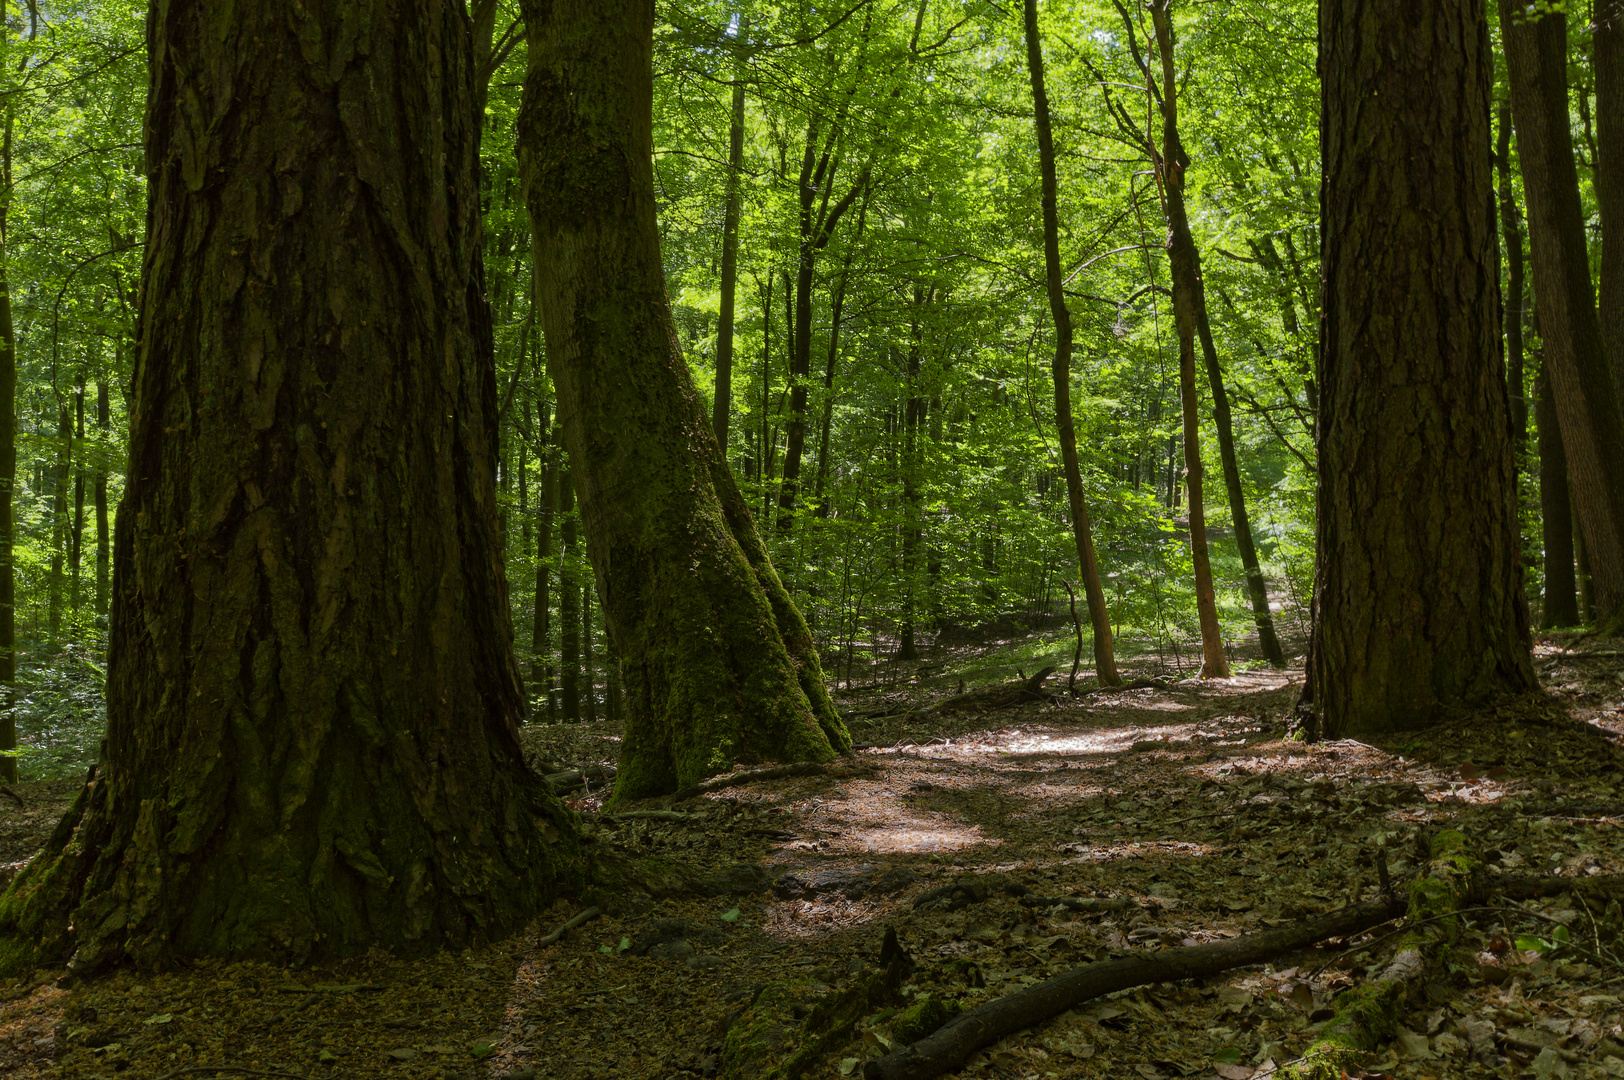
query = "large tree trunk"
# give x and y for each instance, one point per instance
(312, 693)
(1608, 58)
(8, 470)
(1418, 587)
(1189, 308)
(718, 662)
(1561, 606)
(1587, 405)
(1099, 618)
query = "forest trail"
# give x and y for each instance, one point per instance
(1181, 807)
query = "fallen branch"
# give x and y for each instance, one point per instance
(773, 772)
(988, 698)
(656, 815)
(1529, 887)
(953, 1043)
(1080, 903)
(8, 793)
(570, 779)
(584, 917)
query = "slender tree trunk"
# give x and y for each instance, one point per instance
(836, 310)
(1586, 404)
(911, 494)
(722, 407)
(312, 695)
(541, 631)
(103, 432)
(8, 468)
(1561, 606)
(1190, 316)
(59, 517)
(76, 539)
(1099, 617)
(1516, 288)
(719, 663)
(1418, 587)
(1608, 58)
(569, 602)
(589, 672)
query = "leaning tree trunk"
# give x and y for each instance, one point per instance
(1189, 308)
(1587, 405)
(1099, 618)
(718, 663)
(313, 703)
(1608, 57)
(1418, 587)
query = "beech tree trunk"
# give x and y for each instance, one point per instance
(312, 694)
(1561, 606)
(569, 602)
(103, 534)
(1189, 308)
(541, 631)
(1099, 618)
(1587, 405)
(59, 518)
(718, 663)
(1418, 586)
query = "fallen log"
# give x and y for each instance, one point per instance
(988, 698)
(953, 1043)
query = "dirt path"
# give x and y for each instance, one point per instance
(1183, 803)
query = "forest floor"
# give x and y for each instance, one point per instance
(1182, 801)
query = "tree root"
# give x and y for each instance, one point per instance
(952, 1044)
(773, 772)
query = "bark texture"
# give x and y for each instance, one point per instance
(1561, 606)
(1587, 405)
(1099, 618)
(1608, 57)
(1418, 591)
(719, 666)
(312, 694)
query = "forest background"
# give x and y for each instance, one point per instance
(886, 393)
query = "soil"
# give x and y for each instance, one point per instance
(1183, 800)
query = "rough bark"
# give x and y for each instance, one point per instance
(1608, 58)
(1418, 585)
(1065, 429)
(722, 406)
(1561, 601)
(719, 665)
(1586, 401)
(1189, 308)
(8, 471)
(312, 694)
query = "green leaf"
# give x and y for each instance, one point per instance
(1229, 1055)
(731, 916)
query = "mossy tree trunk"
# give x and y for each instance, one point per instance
(312, 693)
(718, 663)
(8, 469)
(1418, 589)
(1082, 534)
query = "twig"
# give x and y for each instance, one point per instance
(584, 917)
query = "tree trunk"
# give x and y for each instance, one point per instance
(312, 694)
(76, 538)
(1418, 585)
(569, 601)
(836, 307)
(1099, 618)
(1516, 289)
(1608, 58)
(912, 523)
(8, 470)
(1586, 403)
(541, 631)
(723, 404)
(103, 433)
(59, 518)
(719, 664)
(1561, 606)
(1189, 310)
(589, 673)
